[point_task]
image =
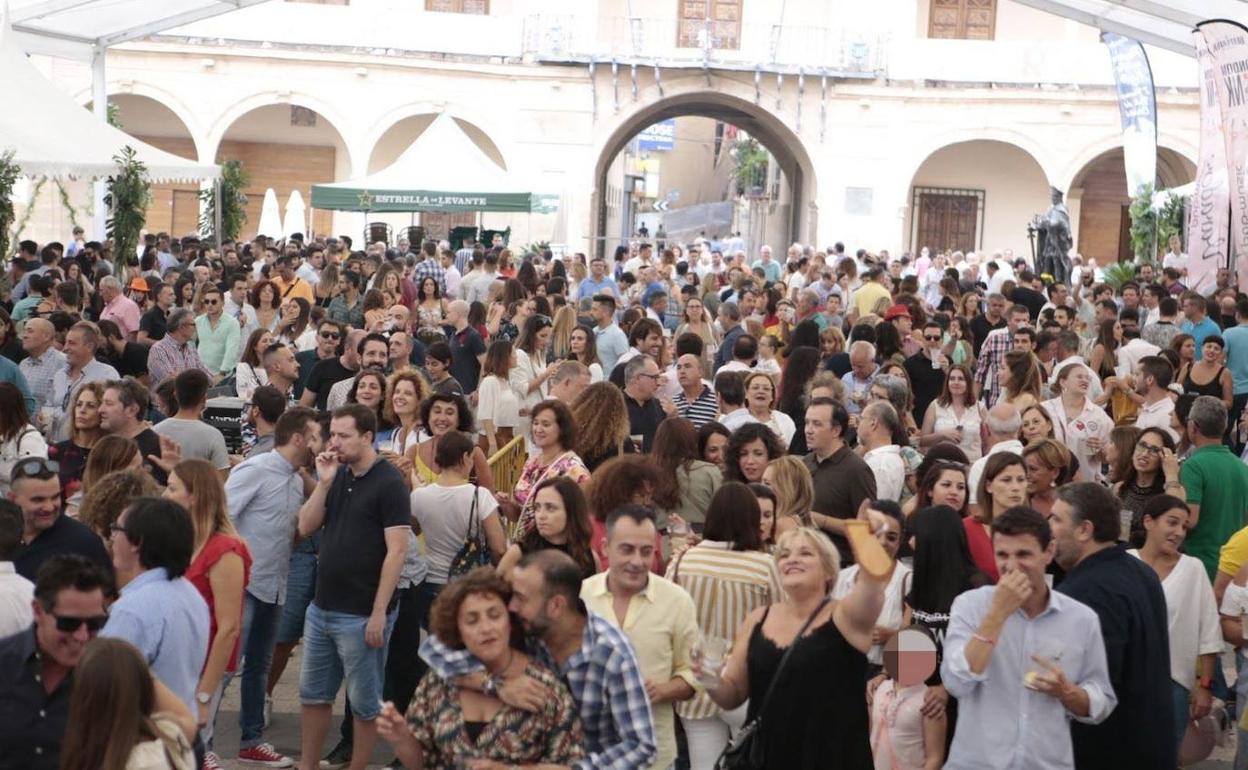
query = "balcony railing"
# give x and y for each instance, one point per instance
(785, 48)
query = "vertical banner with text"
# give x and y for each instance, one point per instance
(1137, 103)
(1209, 209)
(1227, 45)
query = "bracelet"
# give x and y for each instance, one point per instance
(984, 639)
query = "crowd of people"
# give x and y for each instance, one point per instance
(742, 476)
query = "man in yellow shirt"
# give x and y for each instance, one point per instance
(657, 615)
(288, 284)
(877, 286)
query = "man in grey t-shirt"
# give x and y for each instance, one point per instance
(197, 439)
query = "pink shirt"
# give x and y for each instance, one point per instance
(124, 312)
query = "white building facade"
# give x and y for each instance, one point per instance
(896, 124)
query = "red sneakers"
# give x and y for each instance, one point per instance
(263, 755)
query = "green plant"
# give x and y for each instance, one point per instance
(234, 180)
(751, 160)
(30, 210)
(1118, 273)
(69, 206)
(1170, 220)
(129, 194)
(1143, 225)
(9, 172)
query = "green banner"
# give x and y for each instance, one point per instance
(359, 199)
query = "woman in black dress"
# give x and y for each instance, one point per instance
(818, 717)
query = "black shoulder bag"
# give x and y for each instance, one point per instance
(746, 750)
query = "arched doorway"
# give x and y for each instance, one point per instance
(1099, 204)
(974, 196)
(395, 140)
(287, 147)
(788, 191)
(175, 206)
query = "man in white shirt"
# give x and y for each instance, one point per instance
(1152, 382)
(644, 258)
(1132, 351)
(876, 427)
(1175, 257)
(1003, 422)
(453, 277)
(16, 592)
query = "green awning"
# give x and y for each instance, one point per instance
(345, 198)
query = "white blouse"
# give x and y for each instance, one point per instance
(1192, 614)
(527, 369)
(947, 419)
(497, 401)
(890, 613)
(1075, 430)
(247, 378)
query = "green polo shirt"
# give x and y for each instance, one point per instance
(1217, 481)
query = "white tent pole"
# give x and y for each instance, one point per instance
(99, 105)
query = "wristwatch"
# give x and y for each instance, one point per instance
(203, 698)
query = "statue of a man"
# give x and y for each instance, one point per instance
(1055, 239)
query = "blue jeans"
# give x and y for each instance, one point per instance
(334, 649)
(300, 588)
(259, 635)
(1182, 710)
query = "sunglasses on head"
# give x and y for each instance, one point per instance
(68, 625)
(35, 467)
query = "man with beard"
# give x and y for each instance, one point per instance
(594, 657)
(1126, 595)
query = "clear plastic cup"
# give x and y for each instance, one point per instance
(713, 653)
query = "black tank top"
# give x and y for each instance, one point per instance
(1211, 388)
(817, 718)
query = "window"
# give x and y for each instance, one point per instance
(718, 19)
(962, 19)
(477, 7)
(944, 219)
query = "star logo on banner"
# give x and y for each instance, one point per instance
(366, 200)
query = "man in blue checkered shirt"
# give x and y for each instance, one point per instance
(430, 267)
(593, 656)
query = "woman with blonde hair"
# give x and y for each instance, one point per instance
(831, 342)
(219, 569)
(601, 418)
(405, 391)
(123, 718)
(1047, 464)
(84, 431)
(561, 333)
(795, 492)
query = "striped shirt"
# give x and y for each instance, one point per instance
(701, 410)
(726, 586)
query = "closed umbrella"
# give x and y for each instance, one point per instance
(270, 216)
(296, 213)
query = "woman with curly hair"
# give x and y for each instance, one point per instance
(789, 477)
(441, 414)
(751, 447)
(447, 726)
(110, 453)
(760, 399)
(368, 388)
(430, 307)
(554, 436)
(627, 480)
(601, 417)
(405, 391)
(264, 297)
(561, 522)
(689, 481)
(374, 309)
(109, 496)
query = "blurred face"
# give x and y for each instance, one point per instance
(485, 626)
(368, 391)
(71, 607)
(760, 392)
(76, 348)
(1168, 531)
(404, 402)
(1147, 455)
(1187, 351)
(1211, 352)
(376, 354)
(1066, 534)
(1022, 553)
(542, 339)
(689, 372)
(602, 313)
(113, 416)
(597, 268)
(1040, 477)
(996, 307)
(577, 341)
(1035, 426)
(40, 501)
(799, 565)
(861, 364)
(887, 531)
(950, 489)
(753, 460)
(1130, 297)
(283, 364)
(86, 411)
(545, 429)
(400, 347)
(348, 443)
(767, 519)
(630, 546)
(428, 286)
(551, 516)
(694, 310)
(957, 382)
(1024, 342)
(178, 492)
(1009, 488)
(290, 312)
(443, 416)
(164, 297)
(714, 451)
(646, 383)
(1077, 381)
(819, 432)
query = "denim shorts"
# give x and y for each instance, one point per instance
(300, 588)
(334, 648)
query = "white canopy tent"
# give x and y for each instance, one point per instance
(1164, 23)
(52, 136)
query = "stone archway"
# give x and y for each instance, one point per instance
(783, 143)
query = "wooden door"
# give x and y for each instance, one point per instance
(722, 17)
(962, 19)
(438, 224)
(185, 212)
(947, 221)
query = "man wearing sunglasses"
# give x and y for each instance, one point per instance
(926, 369)
(37, 665)
(217, 335)
(48, 532)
